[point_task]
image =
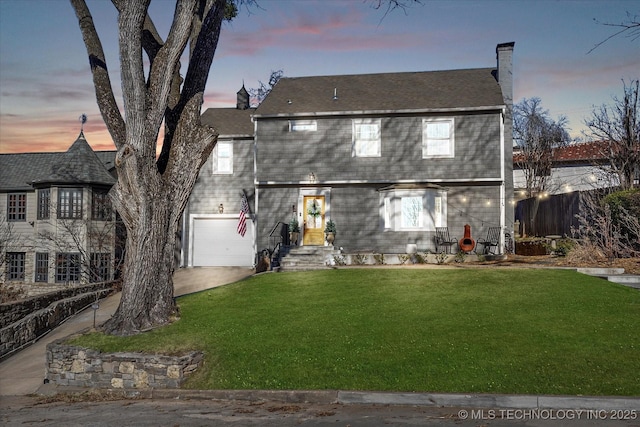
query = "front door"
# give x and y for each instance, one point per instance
(313, 233)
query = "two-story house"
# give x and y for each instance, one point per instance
(387, 157)
(55, 215)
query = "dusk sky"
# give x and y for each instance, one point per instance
(46, 84)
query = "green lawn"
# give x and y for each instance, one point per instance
(459, 330)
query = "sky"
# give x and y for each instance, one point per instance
(46, 83)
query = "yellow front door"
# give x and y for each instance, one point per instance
(313, 233)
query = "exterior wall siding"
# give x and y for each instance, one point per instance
(211, 190)
(284, 156)
(356, 212)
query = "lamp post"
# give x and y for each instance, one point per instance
(95, 306)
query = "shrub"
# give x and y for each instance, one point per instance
(359, 259)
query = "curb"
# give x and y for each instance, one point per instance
(367, 398)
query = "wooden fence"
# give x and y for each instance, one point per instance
(552, 215)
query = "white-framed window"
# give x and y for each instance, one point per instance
(303, 126)
(438, 138)
(406, 210)
(366, 138)
(223, 158)
(411, 212)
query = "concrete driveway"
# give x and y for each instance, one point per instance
(23, 372)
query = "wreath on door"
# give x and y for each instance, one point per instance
(314, 210)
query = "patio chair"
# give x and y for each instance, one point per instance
(443, 239)
(492, 241)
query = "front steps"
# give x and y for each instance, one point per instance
(613, 275)
(304, 258)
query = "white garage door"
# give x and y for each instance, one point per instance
(216, 243)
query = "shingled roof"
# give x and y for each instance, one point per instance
(387, 92)
(229, 122)
(589, 152)
(78, 165)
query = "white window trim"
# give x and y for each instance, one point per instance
(355, 124)
(452, 138)
(214, 158)
(433, 214)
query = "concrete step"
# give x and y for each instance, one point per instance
(626, 279)
(304, 258)
(600, 272)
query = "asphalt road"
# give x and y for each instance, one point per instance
(39, 411)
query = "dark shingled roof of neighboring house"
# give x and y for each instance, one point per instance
(78, 165)
(229, 122)
(386, 92)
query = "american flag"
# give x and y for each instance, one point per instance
(242, 220)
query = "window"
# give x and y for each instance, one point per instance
(42, 267)
(15, 266)
(223, 158)
(438, 138)
(100, 205)
(67, 267)
(17, 207)
(69, 203)
(100, 267)
(405, 210)
(303, 126)
(366, 138)
(411, 208)
(44, 203)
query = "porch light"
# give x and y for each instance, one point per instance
(221, 208)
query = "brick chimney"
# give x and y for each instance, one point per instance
(504, 54)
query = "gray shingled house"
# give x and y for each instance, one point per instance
(387, 157)
(55, 205)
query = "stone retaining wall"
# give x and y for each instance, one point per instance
(13, 311)
(25, 321)
(82, 367)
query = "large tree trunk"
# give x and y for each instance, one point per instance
(147, 289)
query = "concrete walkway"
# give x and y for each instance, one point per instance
(23, 372)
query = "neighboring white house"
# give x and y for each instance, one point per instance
(576, 167)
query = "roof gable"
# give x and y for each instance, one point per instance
(387, 92)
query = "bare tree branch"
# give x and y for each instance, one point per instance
(104, 92)
(631, 27)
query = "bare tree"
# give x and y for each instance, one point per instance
(630, 28)
(618, 126)
(603, 234)
(537, 136)
(151, 194)
(90, 240)
(257, 95)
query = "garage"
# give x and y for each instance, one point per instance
(216, 242)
